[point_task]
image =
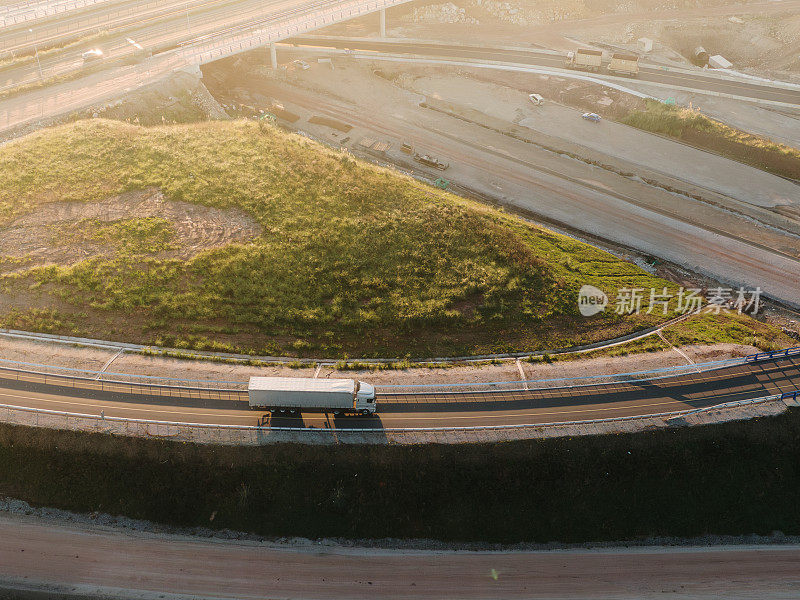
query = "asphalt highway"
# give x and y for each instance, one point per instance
(433, 409)
(656, 74)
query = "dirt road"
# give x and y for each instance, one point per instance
(87, 559)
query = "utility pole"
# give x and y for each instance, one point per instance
(383, 22)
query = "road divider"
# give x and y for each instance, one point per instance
(794, 351)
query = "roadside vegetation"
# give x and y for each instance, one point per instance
(352, 259)
(699, 130)
(706, 328)
(736, 478)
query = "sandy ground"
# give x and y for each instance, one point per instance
(765, 41)
(90, 559)
(92, 359)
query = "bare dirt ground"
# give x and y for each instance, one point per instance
(57, 557)
(759, 37)
(39, 238)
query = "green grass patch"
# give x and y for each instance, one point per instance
(353, 259)
(735, 478)
(146, 235)
(697, 129)
(727, 327)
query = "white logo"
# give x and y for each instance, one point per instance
(591, 300)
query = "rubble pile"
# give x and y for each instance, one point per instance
(529, 13)
(442, 13)
(202, 99)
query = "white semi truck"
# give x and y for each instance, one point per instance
(302, 394)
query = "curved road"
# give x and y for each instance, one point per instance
(67, 559)
(699, 81)
(432, 409)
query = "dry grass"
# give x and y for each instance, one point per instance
(700, 130)
(353, 259)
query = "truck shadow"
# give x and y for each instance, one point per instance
(321, 435)
(327, 425)
(372, 422)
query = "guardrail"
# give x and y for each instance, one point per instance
(138, 383)
(259, 435)
(23, 370)
(146, 386)
(794, 351)
(128, 11)
(244, 38)
(16, 14)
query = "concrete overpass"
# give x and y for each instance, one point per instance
(211, 39)
(149, 39)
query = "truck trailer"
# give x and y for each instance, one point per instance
(431, 161)
(303, 394)
(624, 64)
(588, 60)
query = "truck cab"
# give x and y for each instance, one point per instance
(365, 397)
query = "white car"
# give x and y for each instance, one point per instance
(93, 54)
(302, 64)
(536, 99)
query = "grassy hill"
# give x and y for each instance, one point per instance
(341, 258)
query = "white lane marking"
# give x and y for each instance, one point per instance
(522, 374)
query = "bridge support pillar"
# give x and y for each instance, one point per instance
(273, 55)
(383, 22)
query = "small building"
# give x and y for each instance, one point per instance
(719, 62)
(646, 44)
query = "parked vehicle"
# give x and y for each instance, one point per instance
(92, 55)
(301, 64)
(624, 64)
(299, 394)
(587, 60)
(593, 117)
(536, 99)
(431, 161)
